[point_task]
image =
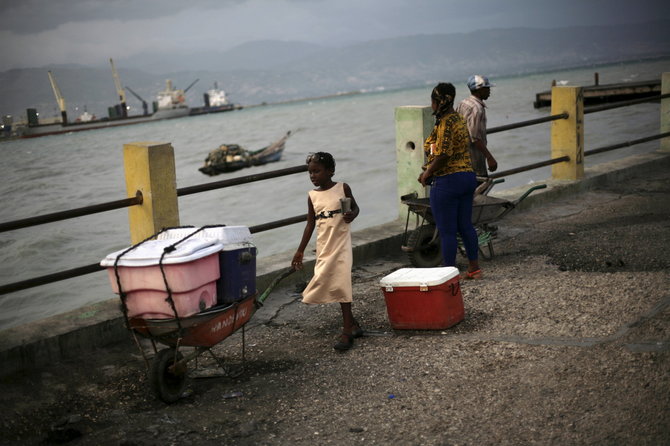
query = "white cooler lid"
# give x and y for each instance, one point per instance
(221, 234)
(419, 276)
(149, 253)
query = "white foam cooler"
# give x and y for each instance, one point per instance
(423, 298)
(191, 271)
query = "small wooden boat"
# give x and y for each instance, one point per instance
(232, 157)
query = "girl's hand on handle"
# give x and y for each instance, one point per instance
(297, 260)
(349, 217)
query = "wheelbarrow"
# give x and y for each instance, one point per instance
(422, 244)
(203, 330)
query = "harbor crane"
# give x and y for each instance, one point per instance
(145, 107)
(192, 84)
(119, 89)
(59, 98)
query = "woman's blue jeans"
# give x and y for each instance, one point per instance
(451, 204)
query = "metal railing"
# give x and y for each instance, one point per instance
(127, 202)
(73, 213)
(133, 201)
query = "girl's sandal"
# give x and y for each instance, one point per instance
(473, 275)
(345, 343)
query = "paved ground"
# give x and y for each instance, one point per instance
(565, 341)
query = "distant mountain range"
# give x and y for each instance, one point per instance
(272, 71)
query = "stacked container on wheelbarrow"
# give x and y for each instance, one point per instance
(186, 287)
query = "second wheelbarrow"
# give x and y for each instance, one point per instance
(422, 244)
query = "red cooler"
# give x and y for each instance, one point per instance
(423, 298)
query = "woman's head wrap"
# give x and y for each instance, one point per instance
(443, 95)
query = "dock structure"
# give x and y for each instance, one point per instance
(597, 94)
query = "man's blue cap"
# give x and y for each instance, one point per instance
(476, 81)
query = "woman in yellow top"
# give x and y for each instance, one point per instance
(451, 177)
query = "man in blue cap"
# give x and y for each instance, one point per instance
(473, 111)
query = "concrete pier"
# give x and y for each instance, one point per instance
(598, 94)
(566, 340)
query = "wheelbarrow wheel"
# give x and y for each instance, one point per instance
(168, 384)
(424, 253)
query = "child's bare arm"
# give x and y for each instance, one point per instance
(306, 235)
(355, 210)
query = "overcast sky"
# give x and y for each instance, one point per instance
(35, 33)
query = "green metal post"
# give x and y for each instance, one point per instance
(413, 124)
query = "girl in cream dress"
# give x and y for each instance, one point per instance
(331, 208)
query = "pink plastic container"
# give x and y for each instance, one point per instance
(191, 270)
(181, 277)
(152, 304)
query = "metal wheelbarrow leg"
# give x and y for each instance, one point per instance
(169, 368)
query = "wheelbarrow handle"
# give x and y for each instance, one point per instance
(264, 295)
(528, 192)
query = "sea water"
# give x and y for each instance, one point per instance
(61, 172)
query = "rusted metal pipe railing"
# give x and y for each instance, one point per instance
(600, 108)
(530, 122)
(133, 201)
(528, 167)
(278, 223)
(50, 278)
(626, 144)
(72, 213)
(240, 180)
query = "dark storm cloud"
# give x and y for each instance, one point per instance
(40, 32)
(30, 16)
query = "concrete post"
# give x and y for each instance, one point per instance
(150, 169)
(567, 135)
(665, 111)
(413, 124)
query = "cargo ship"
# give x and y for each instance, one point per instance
(215, 101)
(170, 103)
